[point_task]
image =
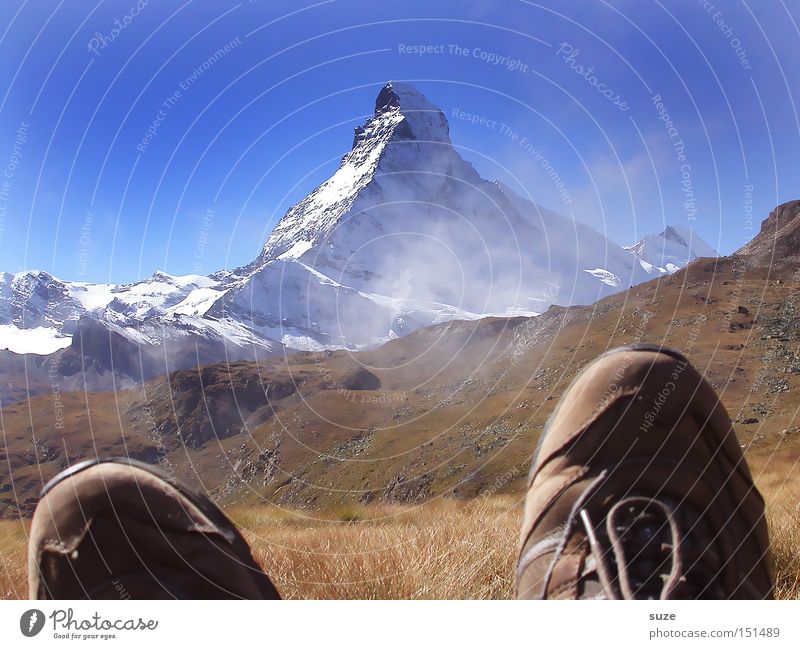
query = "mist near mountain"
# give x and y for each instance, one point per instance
(404, 235)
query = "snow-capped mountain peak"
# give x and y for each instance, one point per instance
(671, 234)
(405, 204)
(403, 235)
(425, 120)
(404, 117)
(670, 250)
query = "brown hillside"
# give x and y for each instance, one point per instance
(779, 238)
(454, 409)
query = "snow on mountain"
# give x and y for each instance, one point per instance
(401, 114)
(574, 248)
(39, 313)
(605, 276)
(405, 234)
(406, 218)
(34, 340)
(36, 299)
(671, 250)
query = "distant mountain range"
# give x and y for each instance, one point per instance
(404, 235)
(453, 410)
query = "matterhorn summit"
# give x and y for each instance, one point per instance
(405, 234)
(405, 204)
(406, 134)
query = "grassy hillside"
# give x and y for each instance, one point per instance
(453, 410)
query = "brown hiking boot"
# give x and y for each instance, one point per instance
(639, 490)
(121, 529)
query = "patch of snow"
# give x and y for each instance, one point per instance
(38, 340)
(297, 250)
(306, 343)
(187, 281)
(198, 302)
(605, 276)
(649, 267)
(92, 296)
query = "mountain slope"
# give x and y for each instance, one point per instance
(404, 235)
(405, 219)
(76, 335)
(450, 410)
(778, 240)
(671, 250)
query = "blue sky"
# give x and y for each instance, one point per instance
(130, 146)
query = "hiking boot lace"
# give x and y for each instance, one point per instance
(649, 550)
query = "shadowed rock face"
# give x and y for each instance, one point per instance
(779, 238)
(96, 348)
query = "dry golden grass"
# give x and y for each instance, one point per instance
(13, 558)
(783, 515)
(438, 550)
